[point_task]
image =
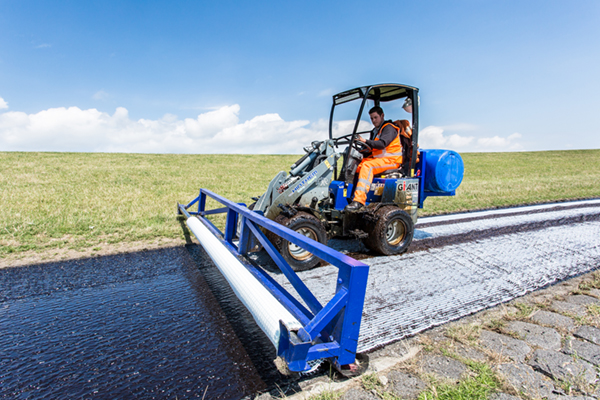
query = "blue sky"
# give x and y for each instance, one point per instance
(257, 77)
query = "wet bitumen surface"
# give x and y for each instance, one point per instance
(154, 324)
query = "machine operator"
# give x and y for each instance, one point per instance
(386, 154)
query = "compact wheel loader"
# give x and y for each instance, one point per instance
(311, 197)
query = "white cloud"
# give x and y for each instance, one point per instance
(218, 131)
(433, 137)
(100, 95)
(497, 142)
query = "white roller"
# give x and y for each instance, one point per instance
(265, 308)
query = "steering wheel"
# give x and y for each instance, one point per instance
(361, 147)
(345, 139)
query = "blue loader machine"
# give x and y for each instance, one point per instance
(311, 198)
(303, 208)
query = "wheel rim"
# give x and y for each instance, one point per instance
(297, 252)
(396, 231)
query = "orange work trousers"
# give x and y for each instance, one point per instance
(367, 168)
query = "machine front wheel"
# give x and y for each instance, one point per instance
(307, 225)
(392, 233)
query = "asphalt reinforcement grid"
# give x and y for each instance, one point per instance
(449, 278)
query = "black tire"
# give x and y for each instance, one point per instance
(307, 225)
(273, 237)
(392, 233)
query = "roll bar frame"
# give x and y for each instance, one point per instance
(379, 95)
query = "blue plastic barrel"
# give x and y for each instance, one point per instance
(444, 170)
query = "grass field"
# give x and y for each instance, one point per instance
(79, 200)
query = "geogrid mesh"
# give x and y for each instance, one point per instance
(410, 293)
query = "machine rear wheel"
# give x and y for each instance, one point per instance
(392, 233)
(307, 225)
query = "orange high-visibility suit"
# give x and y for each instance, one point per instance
(379, 160)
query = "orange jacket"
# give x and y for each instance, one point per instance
(394, 149)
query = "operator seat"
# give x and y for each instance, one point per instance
(390, 174)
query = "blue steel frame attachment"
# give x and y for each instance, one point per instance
(329, 331)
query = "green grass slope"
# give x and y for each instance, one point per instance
(53, 200)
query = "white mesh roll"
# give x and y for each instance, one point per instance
(265, 308)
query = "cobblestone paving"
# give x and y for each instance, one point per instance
(537, 347)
